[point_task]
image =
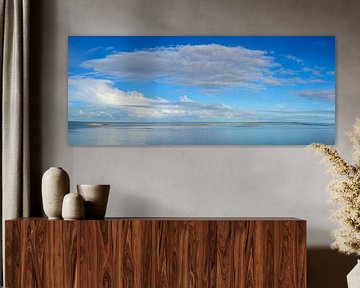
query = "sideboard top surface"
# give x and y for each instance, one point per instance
(174, 219)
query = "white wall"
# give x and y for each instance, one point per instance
(188, 180)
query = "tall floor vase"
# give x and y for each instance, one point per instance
(353, 278)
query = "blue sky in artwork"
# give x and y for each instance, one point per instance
(201, 78)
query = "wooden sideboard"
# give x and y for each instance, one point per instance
(156, 252)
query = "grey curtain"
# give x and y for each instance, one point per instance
(14, 27)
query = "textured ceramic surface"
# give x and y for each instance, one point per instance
(353, 278)
(55, 185)
(96, 198)
(73, 207)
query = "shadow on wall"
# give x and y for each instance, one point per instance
(35, 105)
(328, 268)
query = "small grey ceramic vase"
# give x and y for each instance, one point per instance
(96, 198)
(73, 207)
(55, 185)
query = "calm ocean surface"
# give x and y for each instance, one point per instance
(150, 133)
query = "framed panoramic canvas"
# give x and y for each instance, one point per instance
(201, 90)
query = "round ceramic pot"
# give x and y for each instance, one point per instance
(96, 198)
(73, 207)
(55, 185)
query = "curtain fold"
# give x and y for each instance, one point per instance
(15, 162)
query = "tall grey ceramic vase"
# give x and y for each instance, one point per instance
(55, 185)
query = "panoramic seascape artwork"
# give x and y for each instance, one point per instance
(201, 90)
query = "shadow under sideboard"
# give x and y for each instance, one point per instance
(328, 268)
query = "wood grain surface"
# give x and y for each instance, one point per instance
(159, 252)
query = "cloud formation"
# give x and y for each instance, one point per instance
(313, 71)
(318, 93)
(101, 91)
(104, 96)
(204, 83)
(294, 58)
(102, 101)
(207, 66)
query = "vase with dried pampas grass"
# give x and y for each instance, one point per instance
(345, 192)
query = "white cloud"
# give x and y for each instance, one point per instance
(318, 93)
(314, 116)
(293, 81)
(101, 91)
(206, 66)
(185, 99)
(313, 71)
(294, 58)
(99, 100)
(99, 48)
(316, 80)
(283, 71)
(104, 96)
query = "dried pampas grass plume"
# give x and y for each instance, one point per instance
(355, 138)
(345, 191)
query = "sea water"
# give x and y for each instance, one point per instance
(195, 133)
